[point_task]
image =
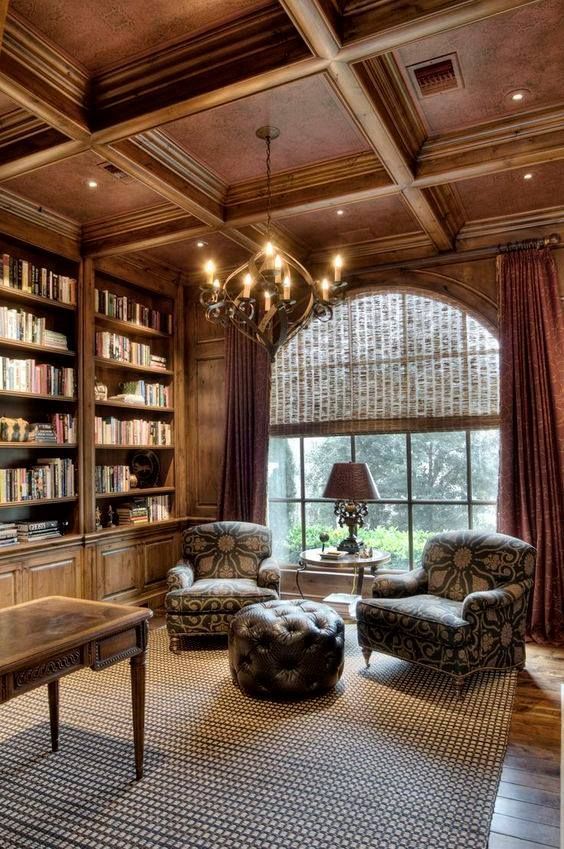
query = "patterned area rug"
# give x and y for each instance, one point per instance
(391, 759)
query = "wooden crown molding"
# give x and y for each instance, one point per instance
(358, 254)
(486, 231)
(381, 77)
(39, 77)
(257, 42)
(140, 230)
(29, 211)
(525, 139)
(347, 179)
(370, 27)
(27, 143)
(24, 220)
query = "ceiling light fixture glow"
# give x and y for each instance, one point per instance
(340, 212)
(528, 176)
(517, 96)
(201, 244)
(92, 184)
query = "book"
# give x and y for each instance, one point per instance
(332, 554)
(16, 273)
(126, 309)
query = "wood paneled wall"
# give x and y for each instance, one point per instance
(205, 401)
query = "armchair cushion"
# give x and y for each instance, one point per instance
(210, 595)
(269, 574)
(421, 616)
(227, 549)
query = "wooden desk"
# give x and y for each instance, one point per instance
(40, 641)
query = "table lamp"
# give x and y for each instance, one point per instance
(351, 485)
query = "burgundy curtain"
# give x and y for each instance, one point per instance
(532, 426)
(243, 482)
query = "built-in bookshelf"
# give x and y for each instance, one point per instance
(39, 396)
(131, 384)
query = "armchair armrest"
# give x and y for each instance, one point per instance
(400, 586)
(269, 574)
(478, 602)
(181, 576)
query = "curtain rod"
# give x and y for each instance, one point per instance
(525, 244)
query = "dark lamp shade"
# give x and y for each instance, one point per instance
(351, 482)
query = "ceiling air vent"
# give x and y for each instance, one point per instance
(436, 75)
(115, 172)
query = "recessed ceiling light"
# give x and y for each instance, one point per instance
(92, 184)
(340, 212)
(518, 95)
(201, 244)
(528, 176)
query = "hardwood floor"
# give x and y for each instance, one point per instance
(527, 810)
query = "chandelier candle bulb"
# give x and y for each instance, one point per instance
(338, 263)
(325, 288)
(286, 288)
(269, 255)
(247, 285)
(277, 269)
(267, 301)
(216, 284)
(210, 271)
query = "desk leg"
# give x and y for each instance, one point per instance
(53, 689)
(138, 664)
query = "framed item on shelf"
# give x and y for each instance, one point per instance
(146, 467)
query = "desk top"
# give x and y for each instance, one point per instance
(54, 623)
(313, 557)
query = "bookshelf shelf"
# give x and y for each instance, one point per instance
(31, 347)
(119, 366)
(36, 396)
(129, 327)
(121, 405)
(47, 446)
(105, 447)
(28, 547)
(136, 493)
(7, 293)
(38, 502)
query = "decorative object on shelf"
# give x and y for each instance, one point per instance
(351, 485)
(366, 553)
(14, 430)
(109, 518)
(270, 297)
(100, 391)
(323, 538)
(64, 526)
(98, 519)
(145, 468)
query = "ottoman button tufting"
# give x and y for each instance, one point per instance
(286, 649)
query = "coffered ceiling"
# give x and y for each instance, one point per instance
(398, 114)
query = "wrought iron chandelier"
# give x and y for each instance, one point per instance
(272, 295)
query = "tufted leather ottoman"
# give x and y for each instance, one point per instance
(286, 649)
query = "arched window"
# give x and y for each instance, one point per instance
(408, 383)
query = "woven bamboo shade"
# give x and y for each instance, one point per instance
(384, 357)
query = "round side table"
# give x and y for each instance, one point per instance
(312, 561)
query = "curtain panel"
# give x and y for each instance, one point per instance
(532, 426)
(244, 474)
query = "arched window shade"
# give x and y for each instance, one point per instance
(387, 361)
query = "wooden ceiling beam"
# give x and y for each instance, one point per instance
(37, 76)
(3, 15)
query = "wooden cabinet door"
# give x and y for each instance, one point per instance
(11, 584)
(118, 573)
(55, 573)
(159, 554)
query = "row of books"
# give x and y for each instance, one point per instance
(51, 477)
(23, 326)
(60, 429)
(126, 309)
(12, 533)
(39, 378)
(155, 508)
(108, 479)
(36, 280)
(114, 346)
(153, 394)
(111, 431)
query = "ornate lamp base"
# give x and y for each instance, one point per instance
(351, 544)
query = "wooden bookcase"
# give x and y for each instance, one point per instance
(122, 563)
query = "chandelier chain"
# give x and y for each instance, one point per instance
(268, 188)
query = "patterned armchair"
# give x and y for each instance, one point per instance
(462, 611)
(224, 567)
